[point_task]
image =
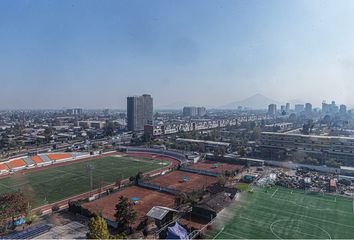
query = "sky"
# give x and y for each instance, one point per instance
(93, 54)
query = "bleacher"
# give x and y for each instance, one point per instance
(37, 159)
(58, 156)
(16, 163)
(45, 158)
(28, 161)
(24, 162)
(29, 233)
(3, 168)
(157, 187)
(169, 153)
(199, 171)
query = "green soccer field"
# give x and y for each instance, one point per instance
(56, 183)
(281, 213)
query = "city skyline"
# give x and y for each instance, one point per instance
(93, 54)
(256, 100)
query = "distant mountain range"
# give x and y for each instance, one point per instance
(257, 101)
(179, 106)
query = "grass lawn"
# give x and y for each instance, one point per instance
(56, 183)
(281, 213)
(242, 186)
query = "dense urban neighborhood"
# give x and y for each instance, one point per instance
(145, 173)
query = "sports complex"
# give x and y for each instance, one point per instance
(49, 183)
(281, 213)
(256, 213)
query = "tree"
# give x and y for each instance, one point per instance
(118, 182)
(109, 129)
(48, 132)
(310, 161)
(256, 134)
(125, 213)
(139, 176)
(222, 180)
(30, 216)
(97, 229)
(12, 204)
(307, 127)
(242, 151)
(333, 163)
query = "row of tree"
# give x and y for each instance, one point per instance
(12, 205)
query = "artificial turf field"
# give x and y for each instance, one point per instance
(53, 184)
(281, 213)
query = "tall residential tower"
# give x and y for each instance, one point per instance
(139, 112)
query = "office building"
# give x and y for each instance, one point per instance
(308, 107)
(194, 111)
(201, 111)
(287, 107)
(92, 124)
(272, 109)
(74, 111)
(139, 112)
(106, 112)
(342, 109)
(329, 108)
(189, 111)
(299, 108)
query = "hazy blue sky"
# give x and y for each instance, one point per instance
(95, 53)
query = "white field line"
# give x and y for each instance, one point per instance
(274, 192)
(77, 176)
(36, 183)
(222, 229)
(262, 224)
(3, 185)
(313, 197)
(304, 216)
(353, 206)
(313, 208)
(234, 236)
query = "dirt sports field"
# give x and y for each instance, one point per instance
(148, 199)
(175, 180)
(216, 167)
(59, 182)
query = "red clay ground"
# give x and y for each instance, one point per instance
(216, 167)
(148, 199)
(175, 181)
